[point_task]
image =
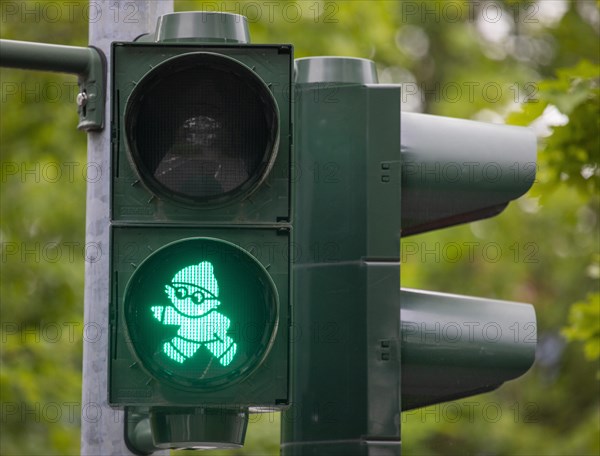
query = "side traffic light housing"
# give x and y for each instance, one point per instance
(391, 174)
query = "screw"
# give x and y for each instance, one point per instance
(82, 99)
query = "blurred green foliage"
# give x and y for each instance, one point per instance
(583, 325)
(523, 62)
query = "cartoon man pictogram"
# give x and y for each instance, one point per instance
(194, 293)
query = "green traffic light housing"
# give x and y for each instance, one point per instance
(456, 171)
(208, 231)
(208, 235)
(201, 126)
(201, 231)
(457, 346)
(391, 174)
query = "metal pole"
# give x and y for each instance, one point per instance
(101, 426)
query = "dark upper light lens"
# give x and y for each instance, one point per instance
(202, 128)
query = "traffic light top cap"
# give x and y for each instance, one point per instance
(339, 70)
(202, 26)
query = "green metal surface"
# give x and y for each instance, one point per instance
(256, 302)
(45, 57)
(457, 346)
(346, 397)
(456, 171)
(202, 26)
(137, 432)
(365, 173)
(345, 352)
(198, 429)
(87, 63)
(335, 70)
(134, 198)
(201, 231)
(147, 431)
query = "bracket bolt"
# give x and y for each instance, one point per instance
(82, 99)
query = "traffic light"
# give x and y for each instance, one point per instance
(201, 230)
(457, 346)
(371, 175)
(213, 220)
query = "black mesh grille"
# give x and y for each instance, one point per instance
(202, 127)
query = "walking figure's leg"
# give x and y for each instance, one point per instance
(179, 349)
(224, 348)
(172, 352)
(229, 353)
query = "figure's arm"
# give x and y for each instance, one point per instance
(158, 312)
(167, 315)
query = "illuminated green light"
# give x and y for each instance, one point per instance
(193, 293)
(200, 312)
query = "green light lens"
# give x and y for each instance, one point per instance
(200, 312)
